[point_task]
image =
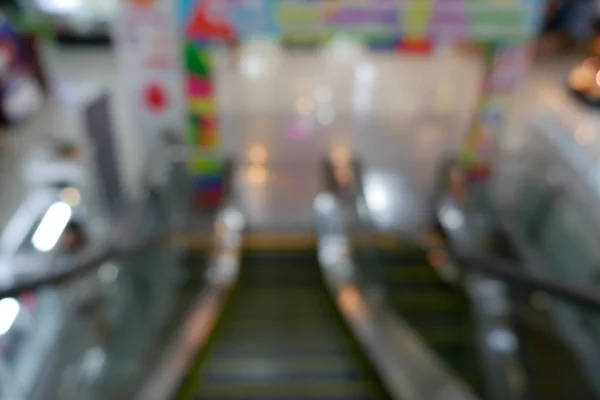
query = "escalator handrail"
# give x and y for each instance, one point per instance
(508, 271)
(93, 257)
(88, 260)
(74, 268)
(511, 273)
(126, 225)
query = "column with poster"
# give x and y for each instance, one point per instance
(201, 24)
(147, 44)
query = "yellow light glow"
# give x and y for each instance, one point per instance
(437, 258)
(258, 155)
(344, 175)
(351, 301)
(581, 78)
(71, 196)
(257, 175)
(341, 156)
(305, 106)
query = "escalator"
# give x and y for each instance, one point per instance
(437, 310)
(280, 335)
(552, 370)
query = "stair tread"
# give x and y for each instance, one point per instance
(281, 337)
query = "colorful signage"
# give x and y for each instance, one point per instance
(438, 20)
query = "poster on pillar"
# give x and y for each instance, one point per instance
(147, 43)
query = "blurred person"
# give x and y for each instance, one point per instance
(73, 238)
(569, 23)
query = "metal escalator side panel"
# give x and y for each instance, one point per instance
(438, 310)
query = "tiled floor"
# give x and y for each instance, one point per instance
(288, 110)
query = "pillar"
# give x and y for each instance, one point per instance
(202, 24)
(505, 68)
(202, 130)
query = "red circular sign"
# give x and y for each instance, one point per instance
(155, 97)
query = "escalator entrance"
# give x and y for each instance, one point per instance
(280, 335)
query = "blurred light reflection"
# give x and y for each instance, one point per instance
(351, 301)
(325, 115)
(452, 217)
(377, 195)
(323, 94)
(325, 203)
(52, 226)
(257, 175)
(341, 156)
(365, 73)
(364, 77)
(502, 340)
(71, 196)
(253, 66)
(59, 6)
(305, 105)
(9, 310)
(258, 155)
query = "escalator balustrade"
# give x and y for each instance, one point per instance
(552, 370)
(438, 311)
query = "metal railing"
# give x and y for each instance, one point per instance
(507, 300)
(91, 325)
(535, 294)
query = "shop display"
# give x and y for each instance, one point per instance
(584, 81)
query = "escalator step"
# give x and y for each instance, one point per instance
(420, 299)
(413, 274)
(281, 337)
(295, 337)
(307, 324)
(278, 374)
(300, 364)
(301, 389)
(256, 350)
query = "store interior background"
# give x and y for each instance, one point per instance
(331, 97)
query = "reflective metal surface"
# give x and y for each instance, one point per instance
(100, 333)
(548, 330)
(407, 365)
(196, 328)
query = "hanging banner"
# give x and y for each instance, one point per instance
(437, 20)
